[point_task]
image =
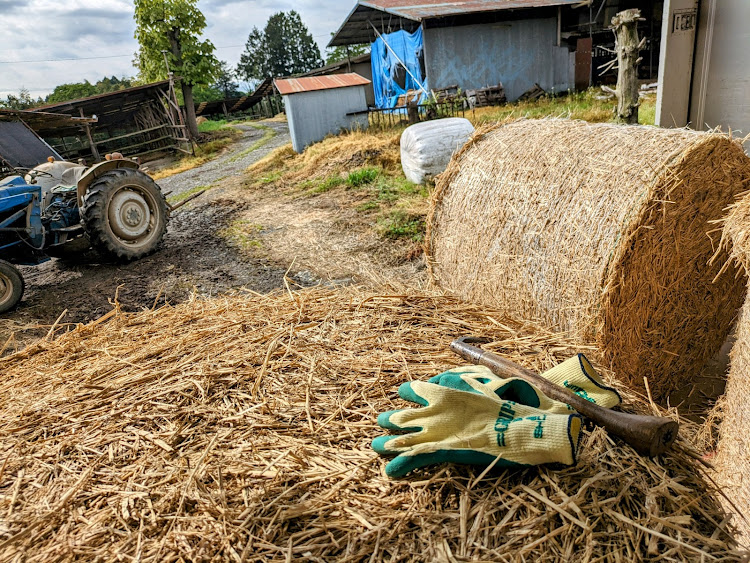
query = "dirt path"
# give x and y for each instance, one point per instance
(233, 163)
(193, 257)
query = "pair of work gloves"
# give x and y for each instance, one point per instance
(472, 416)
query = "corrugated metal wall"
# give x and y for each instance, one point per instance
(313, 115)
(517, 53)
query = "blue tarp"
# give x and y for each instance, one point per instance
(408, 47)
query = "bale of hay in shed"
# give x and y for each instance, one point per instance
(239, 429)
(733, 452)
(602, 231)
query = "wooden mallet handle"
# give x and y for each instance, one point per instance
(650, 435)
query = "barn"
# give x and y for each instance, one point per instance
(472, 44)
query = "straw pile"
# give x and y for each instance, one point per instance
(238, 429)
(733, 455)
(599, 230)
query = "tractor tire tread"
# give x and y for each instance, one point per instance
(18, 285)
(95, 220)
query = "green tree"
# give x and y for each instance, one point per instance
(283, 48)
(113, 84)
(77, 90)
(206, 94)
(339, 53)
(72, 91)
(175, 26)
(225, 82)
(22, 101)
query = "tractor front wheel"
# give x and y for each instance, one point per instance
(125, 214)
(11, 286)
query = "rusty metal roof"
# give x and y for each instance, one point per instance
(419, 9)
(287, 86)
(408, 14)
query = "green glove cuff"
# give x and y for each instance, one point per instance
(579, 376)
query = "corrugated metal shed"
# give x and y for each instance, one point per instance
(407, 14)
(287, 86)
(321, 105)
(360, 64)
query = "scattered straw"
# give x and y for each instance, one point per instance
(599, 230)
(238, 429)
(333, 155)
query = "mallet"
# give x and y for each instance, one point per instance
(650, 435)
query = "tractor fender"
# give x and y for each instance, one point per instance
(97, 170)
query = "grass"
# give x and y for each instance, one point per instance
(327, 184)
(362, 176)
(212, 125)
(580, 105)
(177, 198)
(241, 233)
(267, 136)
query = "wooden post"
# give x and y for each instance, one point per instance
(412, 112)
(627, 46)
(92, 144)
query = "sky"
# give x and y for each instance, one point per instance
(56, 42)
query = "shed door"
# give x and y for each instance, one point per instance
(583, 64)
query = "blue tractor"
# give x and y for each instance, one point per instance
(59, 208)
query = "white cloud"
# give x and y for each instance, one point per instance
(45, 31)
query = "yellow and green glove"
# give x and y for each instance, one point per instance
(472, 416)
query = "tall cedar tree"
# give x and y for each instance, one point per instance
(175, 26)
(283, 48)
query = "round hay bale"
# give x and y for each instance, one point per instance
(602, 231)
(733, 452)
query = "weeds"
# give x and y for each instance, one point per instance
(327, 184)
(399, 223)
(367, 206)
(362, 176)
(267, 136)
(242, 234)
(270, 178)
(177, 198)
(584, 105)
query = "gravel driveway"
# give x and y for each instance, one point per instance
(234, 162)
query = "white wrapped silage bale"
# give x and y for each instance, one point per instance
(426, 148)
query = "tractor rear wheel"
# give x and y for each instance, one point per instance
(11, 286)
(124, 214)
